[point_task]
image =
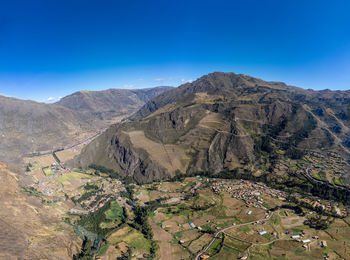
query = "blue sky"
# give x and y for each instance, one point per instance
(53, 48)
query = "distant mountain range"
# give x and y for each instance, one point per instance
(28, 126)
(222, 122)
(110, 104)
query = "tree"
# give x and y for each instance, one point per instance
(86, 251)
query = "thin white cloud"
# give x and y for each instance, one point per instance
(159, 79)
(186, 81)
(53, 99)
(128, 86)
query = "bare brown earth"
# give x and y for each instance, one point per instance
(28, 230)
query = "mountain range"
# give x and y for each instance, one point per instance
(223, 122)
(221, 127)
(28, 126)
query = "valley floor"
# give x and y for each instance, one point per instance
(194, 218)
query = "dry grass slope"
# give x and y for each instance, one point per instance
(171, 157)
(26, 226)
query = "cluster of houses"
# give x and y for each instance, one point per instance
(326, 206)
(298, 237)
(249, 192)
(100, 204)
(48, 186)
(307, 241)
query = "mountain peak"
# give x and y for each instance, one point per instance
(220, 122)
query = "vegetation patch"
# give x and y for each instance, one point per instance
(216, 246)
(97, 221)
(103, 249)
(132, 237)
(115, 211)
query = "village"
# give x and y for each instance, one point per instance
(250, 192)
(57, 183)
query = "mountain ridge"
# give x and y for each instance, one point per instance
(221, 122)
(29, 126)
(110, 99)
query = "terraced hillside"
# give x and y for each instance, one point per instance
(223, 122)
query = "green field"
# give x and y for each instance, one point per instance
(68, 177)
(132, 237)
(47, 171)
(115, 212)
(216, 246)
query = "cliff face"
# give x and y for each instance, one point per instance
(220, 122)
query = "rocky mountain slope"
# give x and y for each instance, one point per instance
(111, 103)
(221, 122)
(28, 126)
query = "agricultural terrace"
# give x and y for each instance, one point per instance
(188, 225)
(222, 219)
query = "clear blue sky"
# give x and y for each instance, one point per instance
(51, 48)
